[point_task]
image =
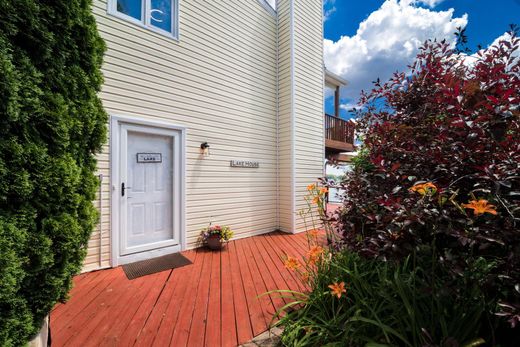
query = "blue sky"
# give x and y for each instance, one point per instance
(392, 30)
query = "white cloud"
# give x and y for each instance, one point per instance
(328, 12)
(349, 106)
(429, 3)
(386, 41)
(472, 59)
(504, 37)
(328, 9)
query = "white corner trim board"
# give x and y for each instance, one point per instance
(293, 123)
(277, 119)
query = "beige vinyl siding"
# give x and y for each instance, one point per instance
(285, 130)
(93, 260)
(308, 99)
(301, 106)
(219, 81)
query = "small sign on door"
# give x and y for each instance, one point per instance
(149, 157)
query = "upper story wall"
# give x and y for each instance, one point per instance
(219, 81)
(308, 100)
(286, 116)
(301, 131)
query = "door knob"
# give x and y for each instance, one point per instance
(123, 188)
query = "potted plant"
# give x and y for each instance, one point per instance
(215, 236)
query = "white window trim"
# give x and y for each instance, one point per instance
(268, 7)
(145, 21)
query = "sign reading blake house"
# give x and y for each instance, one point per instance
(244, 163)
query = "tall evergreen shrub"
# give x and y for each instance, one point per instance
(51, 125)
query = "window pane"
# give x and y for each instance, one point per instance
(161, 14)
(131, 8)
(329, 100)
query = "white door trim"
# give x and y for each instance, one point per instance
(115, 186)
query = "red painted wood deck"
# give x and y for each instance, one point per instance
(213, 302)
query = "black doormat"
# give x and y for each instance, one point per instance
(151, 266)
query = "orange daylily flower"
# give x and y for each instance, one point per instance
(314, 254)
(314, 233)
(311, 187)
(292, 263)
(316, 200)
(480, 207)
(323, 190)
(424, 188)
(337, 289)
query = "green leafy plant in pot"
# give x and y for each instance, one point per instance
(216, 236)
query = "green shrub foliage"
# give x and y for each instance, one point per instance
(385, 304)
(51, 124)
(425, 250)
(439, 176)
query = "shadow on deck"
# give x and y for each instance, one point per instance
(213, 302)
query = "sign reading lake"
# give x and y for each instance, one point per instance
(149, 157)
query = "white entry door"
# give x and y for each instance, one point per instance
(149, 192)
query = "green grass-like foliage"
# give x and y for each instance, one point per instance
(51, 124)
(385, 304)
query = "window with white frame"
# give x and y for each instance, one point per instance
(158, 15)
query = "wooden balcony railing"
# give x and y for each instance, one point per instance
(337, 129)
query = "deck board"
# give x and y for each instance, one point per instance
(213, 302)
(256, 314)
(291, 278)
(243, 321)
(228, 324)
(267, 276)
(261, 286)
(281, 278)
(213, 323)
(149, 331)
(200, 313)
(181, 331)
(164, 334)
(88, 290)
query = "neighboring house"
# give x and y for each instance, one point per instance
(236, 75)
(339, 141)
(339, 133)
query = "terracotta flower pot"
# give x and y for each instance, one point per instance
(214, 242)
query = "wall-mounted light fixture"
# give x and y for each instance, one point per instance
(204, 149)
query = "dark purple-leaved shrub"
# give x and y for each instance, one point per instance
(453, 123)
